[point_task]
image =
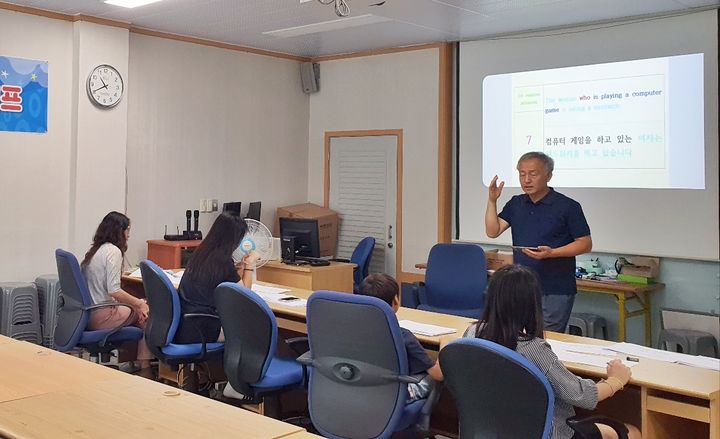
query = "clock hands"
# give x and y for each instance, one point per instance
(105, 86)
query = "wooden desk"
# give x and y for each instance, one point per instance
(676, 401)
(303, 435)
(337, 276)
(47, 394)
(5, 340)
(132, 408)
(672, 400)
(294, 319)
(29, 370)
(168, 254)
(624, 293)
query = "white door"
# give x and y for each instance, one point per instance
(363, 190)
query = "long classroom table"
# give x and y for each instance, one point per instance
(667, 401)
(672, 400)
(47, 394)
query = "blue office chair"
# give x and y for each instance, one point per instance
(251, 364)
(361, 257)
(500, 393)
(163, 322)
(359, 368)
(455, 281)
(75, 307)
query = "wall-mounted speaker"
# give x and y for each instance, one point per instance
(310, 77)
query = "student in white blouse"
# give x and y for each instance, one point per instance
(102, 268)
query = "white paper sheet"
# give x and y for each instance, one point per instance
(425, 329)
(667, 356)
(703, 362)
(590, 360)
(580, 348)
(265, 289)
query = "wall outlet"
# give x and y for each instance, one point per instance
(213, 205)
(203, 205)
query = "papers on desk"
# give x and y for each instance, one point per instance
(667, 356)
(425, 329)
(174, 277)
(265, 289)
(277, 295)
(591, 355)
(580, 348)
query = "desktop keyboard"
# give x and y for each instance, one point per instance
(314, 262)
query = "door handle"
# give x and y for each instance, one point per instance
(390, 245)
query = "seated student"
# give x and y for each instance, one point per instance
(102, 268)
(513, 318)
(210, 265)
(386, 288)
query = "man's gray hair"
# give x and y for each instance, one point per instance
(545, 159)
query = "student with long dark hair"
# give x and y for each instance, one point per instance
(102, 268)
(210, 265)
(513, 318)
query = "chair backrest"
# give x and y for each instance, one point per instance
(362, 256)
(164, 305)
(498, 392)
(456, 276)
(250, 334)
(72, 319)
(357, 348)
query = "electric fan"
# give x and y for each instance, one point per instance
(258, 239)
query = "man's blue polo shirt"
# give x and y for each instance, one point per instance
(554, 221)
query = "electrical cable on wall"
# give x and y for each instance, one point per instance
(341, 7)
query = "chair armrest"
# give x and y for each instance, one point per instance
(114, 330)
(198, 315)
(586, 426)
(299, 345)
(191, 316)
(305, 359)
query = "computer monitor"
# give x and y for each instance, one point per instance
(306, 233)
(254, 210)
(232, 208)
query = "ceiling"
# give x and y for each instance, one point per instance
(243, 22)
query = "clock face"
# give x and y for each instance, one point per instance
(105, 86)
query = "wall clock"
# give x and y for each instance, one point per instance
(105, 86)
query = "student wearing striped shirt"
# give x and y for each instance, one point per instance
(513, 318)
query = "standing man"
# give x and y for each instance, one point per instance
(549, 222)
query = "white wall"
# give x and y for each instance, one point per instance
(98, 155)
(210, 123)
(392, 91)
(56, 186)
(34, 168)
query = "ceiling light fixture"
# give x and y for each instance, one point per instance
(130, 3)
(341, 7)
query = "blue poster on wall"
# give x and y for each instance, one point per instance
(23, 95)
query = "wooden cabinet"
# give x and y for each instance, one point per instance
(171, 254)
